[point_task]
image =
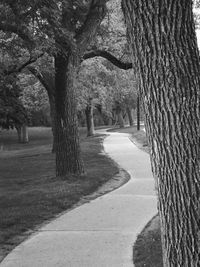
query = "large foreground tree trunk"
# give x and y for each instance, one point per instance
(68, 159)
(165, 53)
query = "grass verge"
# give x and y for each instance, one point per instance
(29, 192)
(147, 248)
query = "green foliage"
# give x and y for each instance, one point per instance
(107, 85)
(34, 97)
(12, 111)
(46, 27)
(35, 100)
(112, 32)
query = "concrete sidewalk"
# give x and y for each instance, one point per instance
(100, 233)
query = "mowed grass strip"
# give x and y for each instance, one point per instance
(29, 191)
(147, 250)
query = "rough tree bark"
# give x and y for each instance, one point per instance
(166, 57)
(66, 124)
(90, 118)
(67, 62)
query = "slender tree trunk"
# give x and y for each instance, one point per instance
(138, 113)
(119, 114)
(90, 119)
(120, 119)
(68, 159)
(110, 122)
(24, 134)
(18, 128)
(130, 117)
(165, 53)
(53, 114)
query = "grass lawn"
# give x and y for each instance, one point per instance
(29, 192)
(147, 250)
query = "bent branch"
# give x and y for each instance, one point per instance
(100, 53)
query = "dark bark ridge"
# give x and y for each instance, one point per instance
(166, 60)
(66, 125)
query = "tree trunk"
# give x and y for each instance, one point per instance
(119, 115)
(22, 132)
(138, 113)
(110, 122)
(120, 119)
(18, 128)
(68, 159)
(90, 119)
(130, 117)
(52, 114)
(165, 54)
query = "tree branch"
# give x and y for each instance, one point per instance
(16, 69)
(94, 17)
(100, 53)
(46, 79)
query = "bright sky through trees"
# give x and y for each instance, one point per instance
(197, 11)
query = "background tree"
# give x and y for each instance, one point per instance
(125, 95)
(12, 112)
(166, 59)
(58, 32)
(63, 29)
(90, 90)
(108, 88)
(35, 100)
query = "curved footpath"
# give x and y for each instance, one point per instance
(100, 233)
